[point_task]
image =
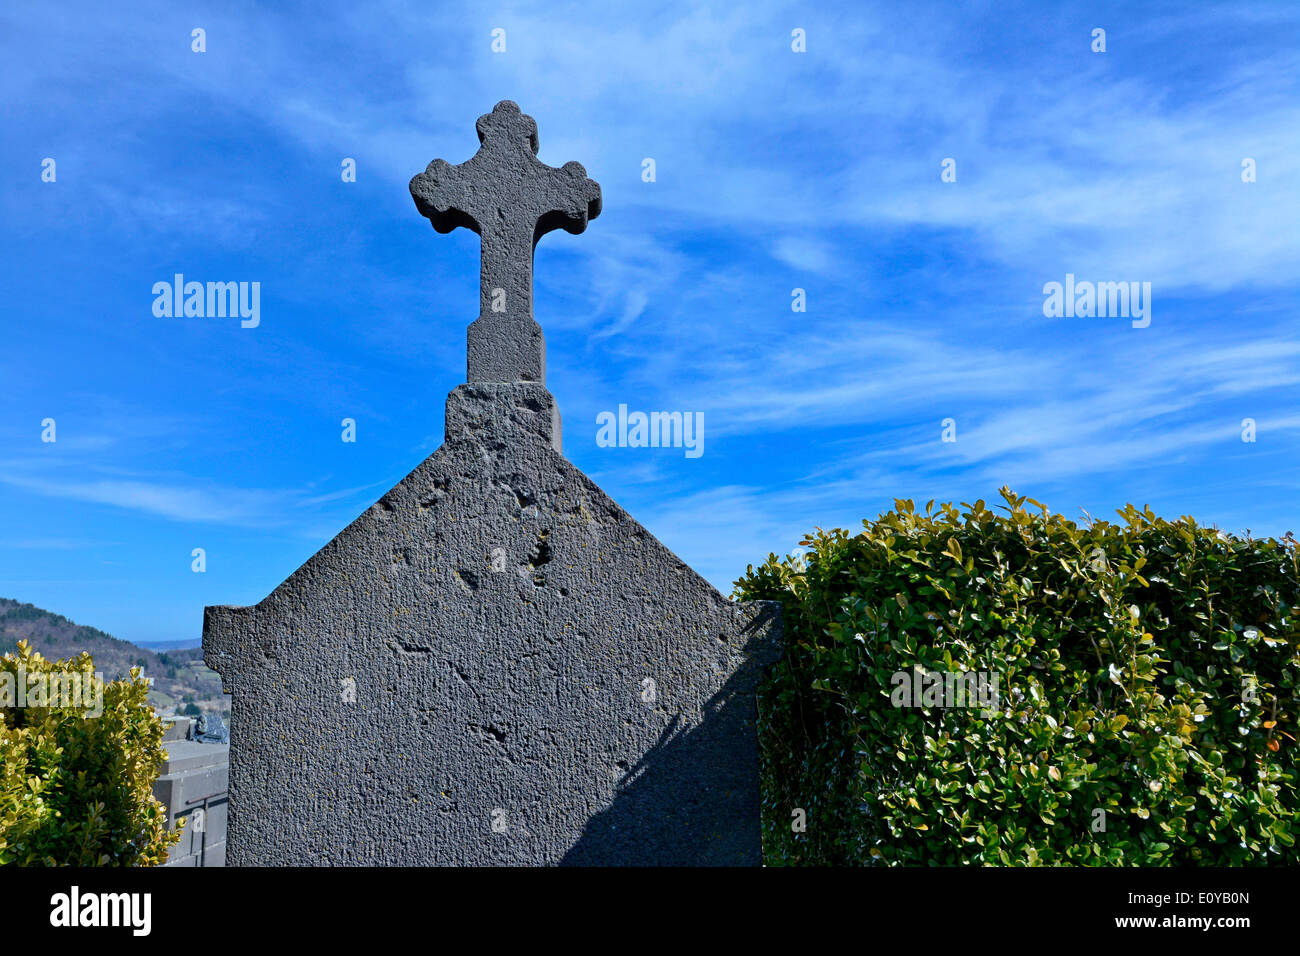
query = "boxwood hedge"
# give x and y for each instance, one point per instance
(1138, 692)
(76, 781)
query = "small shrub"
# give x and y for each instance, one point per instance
(1146, 676)
(76, 790)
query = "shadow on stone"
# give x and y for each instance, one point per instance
(693, 799)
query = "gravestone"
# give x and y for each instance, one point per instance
(495, 664)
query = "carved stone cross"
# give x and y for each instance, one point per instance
(511, 199)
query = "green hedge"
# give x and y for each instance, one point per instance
(1144, 711)
(77, 768)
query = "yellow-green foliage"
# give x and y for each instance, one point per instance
(75, 789)
(1147, 713)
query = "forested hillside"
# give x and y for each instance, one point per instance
(180, 679)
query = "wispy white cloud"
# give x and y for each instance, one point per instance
(810, 255)
(1080, 168)
(57, 544)
(240, 506)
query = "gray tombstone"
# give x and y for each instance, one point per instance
(495, 664)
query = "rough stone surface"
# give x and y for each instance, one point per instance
(507, 692)
(494, 664)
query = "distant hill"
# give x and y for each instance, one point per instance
(179, 675)
(169, 645)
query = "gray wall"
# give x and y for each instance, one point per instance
(193, 786)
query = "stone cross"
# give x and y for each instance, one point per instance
(511, 199)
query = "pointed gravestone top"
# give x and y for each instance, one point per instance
(511, 199)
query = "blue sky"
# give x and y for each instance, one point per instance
(775, 170)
